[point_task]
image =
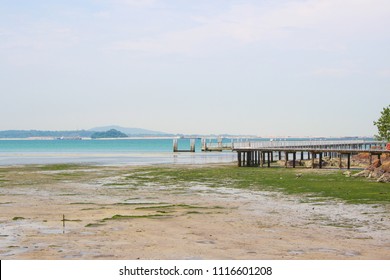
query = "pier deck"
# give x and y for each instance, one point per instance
(264, 153)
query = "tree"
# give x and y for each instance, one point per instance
(383, 125)
(112, 133)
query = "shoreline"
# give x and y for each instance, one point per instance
(181, 212)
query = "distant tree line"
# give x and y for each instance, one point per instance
(44, 133)
(112, 133)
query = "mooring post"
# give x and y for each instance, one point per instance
(63, 223)
(192, 141)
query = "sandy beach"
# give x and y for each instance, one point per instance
(111, 214)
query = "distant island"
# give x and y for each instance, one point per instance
(112, 133)
(76, 134)
(131, 131)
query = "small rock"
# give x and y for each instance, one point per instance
(385, 178)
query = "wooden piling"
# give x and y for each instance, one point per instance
(268, 159)
(286, 159)
(340, 161)
(294, 158)
(312, 159)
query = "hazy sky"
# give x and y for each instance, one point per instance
(264, 67)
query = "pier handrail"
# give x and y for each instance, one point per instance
(334, 144)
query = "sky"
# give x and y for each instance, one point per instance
(258, 67)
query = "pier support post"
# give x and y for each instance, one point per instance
(294, 158)
(279, 155)
(320, 160)
(192, 148)
(239, 158)
(286, 159)
(268, 159)
(340, 162)
(349, 161)
(313, 156)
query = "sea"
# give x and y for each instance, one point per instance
(139, 151)
(144, 151)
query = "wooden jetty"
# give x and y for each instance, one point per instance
(176, 146)
(258, 154)
(208, 145)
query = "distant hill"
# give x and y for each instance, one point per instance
(112, 133)
(44, 133)
(79, 133)
(129, 131)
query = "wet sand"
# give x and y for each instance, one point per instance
(107, 220)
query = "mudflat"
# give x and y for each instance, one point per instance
(122, 212)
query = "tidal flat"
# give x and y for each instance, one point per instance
(214, 211)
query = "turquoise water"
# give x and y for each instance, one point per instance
(123, 151)
(126, 151)
(85, 146)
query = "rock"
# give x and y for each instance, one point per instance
(377, 163)
(386, 166)
(364, 173)
(385, 178)
(377, 173)
(347, 173)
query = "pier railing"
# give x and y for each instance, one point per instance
(316, 144)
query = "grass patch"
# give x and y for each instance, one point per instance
(319, 184)
(82, 203)
(61, 167)
(184, 206)
(17, 218)
(94, 225)
(122, 217)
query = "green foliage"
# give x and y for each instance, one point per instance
(112, 133)
(314, 184)
(44, 133)
(383, 125)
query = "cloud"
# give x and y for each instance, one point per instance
(136, 3)
(331, 72)
(313, 24)
(39, 36)
(385, 73)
